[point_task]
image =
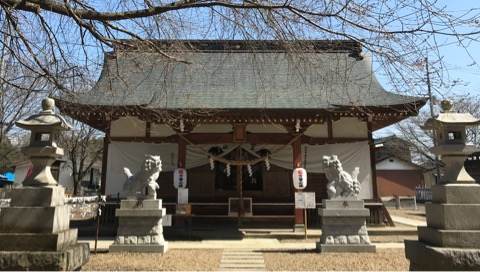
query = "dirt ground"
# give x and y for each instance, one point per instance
(384, 259)
(179, 260)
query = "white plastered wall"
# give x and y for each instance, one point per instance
(128, 126)
(349, 127)
(317, 130)
(161, 130)
(395, 164)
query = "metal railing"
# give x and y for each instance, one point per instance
(423, 194)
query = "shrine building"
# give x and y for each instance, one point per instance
(239, 116)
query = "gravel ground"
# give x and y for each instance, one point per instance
(384, 259)
(185, 259)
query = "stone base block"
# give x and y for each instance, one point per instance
(149, 204)
(145, 226)
(325, 248)
(139, 248)
(430, 258)
(449, 238)
(344, 212)
(340, 203)
(140, 226)
(34, 219)
(37, 196)
(38, 241)
(140, 212)
(453, 216)
(456, 193)
(344, 227)
(72, 258)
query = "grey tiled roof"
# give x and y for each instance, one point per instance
(239, 80)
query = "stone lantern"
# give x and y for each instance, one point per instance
(451, 146)
(45, 128)
(451, 239)
(35, 231)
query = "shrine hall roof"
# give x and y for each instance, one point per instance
(240, 75)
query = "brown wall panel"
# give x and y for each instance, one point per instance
(398, 182)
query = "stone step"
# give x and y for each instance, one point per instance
(242, 266)
(259, 261)
(244, 254)
(242, 260)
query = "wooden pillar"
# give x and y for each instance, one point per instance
(241, 209)
(330, 128)
(182, 153)
(373, 165)
(297, 162)
(106, 142)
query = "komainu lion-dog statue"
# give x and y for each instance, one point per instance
(143, 185)
(341, 184)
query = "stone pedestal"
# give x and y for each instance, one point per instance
(344, 227)
(35, 233)
(451, 239)
(140, 227)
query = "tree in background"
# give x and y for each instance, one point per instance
(83, 147)
(421, 141)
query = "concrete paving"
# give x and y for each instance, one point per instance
(408, 221)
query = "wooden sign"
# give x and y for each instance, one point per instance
(305, 200)
(182, 196)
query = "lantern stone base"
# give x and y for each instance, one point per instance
(71, 258)
(451, 239)
(140, 227)
(35, 233)
(431, 258)
(344, 227)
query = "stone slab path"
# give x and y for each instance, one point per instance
(242, 260)
(408, 221)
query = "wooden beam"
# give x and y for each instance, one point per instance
(148, 129)
(239, 133)
(330, 128)
(182, 153)
(252, 138)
